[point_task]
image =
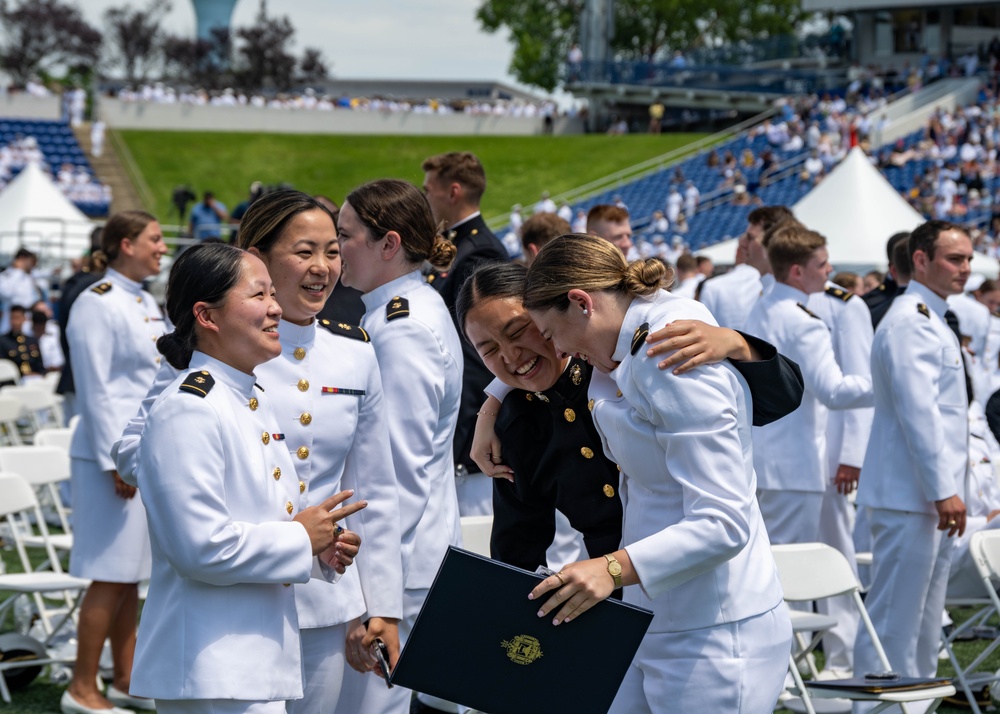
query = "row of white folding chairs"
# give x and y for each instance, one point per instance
(36, 406)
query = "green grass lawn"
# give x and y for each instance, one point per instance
(518, 169)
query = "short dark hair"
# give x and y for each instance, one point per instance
(924, 237)
(461, 167)
(489, 280)
(267, 218)
(900, 260)
(18, 308)
(686, 262)
(607, 212)
(541, 228)
(38, 316)
(767, 217)
(891, 243)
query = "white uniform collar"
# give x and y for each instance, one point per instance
(222, 372)
(293, 335)
(120, 280)
(783, 291)
(634, 317)
(468, 218)
(934, 301)
(384, 293)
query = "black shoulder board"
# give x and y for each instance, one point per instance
(809, 312)
(397, 307)
(639, 337)
(345, 330)
(101, 288)
(839, 294)
(922, 309)
(199, 383)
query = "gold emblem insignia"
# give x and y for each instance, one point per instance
(523, 649)
(343, 326)
(299, 353)
(542, 397)
(396, 305)
(576, 374)
(199, 380)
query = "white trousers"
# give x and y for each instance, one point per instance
(475, 494)
(218, 706)
(835, 529)
(790, 516)
(567, 545)
(737, 668)
(323, 668)
(911, 560)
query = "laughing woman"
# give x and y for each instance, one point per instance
(695, 548)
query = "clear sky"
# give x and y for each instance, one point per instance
(386, 39)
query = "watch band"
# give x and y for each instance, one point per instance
(614, 570)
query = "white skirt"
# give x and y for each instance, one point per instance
(218, 706)
(110, 538)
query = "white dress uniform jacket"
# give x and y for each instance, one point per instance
(112, 336)
(326, 393)
(781, 462)
(731, 296)
(220, 621)
(692, 526)
(918, 451)
(420, 358)
(16, 288)
(974, 321)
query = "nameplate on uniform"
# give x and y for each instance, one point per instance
(490, 651)
(396, 308)
(343, 390)
(199, 383)
(344, 330)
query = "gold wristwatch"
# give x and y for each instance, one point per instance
(614, 570)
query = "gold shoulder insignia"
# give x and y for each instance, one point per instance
(809, 312)
(839, 294)
(396, 308)
(345, 330)
(199, 383)
(922, 309)
(639, 337)
(101, 288)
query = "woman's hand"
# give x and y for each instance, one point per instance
(695, 343)
(122, 489)
(357, 656)
(578, 587)
(387, 630)
(341, 555)
(485, 444)
(320, 521)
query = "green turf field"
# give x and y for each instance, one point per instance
(517, 168)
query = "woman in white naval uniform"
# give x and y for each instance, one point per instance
(386, 233)
(693, 539)
(219, 631)
(326, 390)
(112, 336)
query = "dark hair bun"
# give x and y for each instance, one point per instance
(176, 351)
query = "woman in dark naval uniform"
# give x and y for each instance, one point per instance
(552, 454)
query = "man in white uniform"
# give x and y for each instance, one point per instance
(914, 476)
(17, 287)
(612, 223)
(846, 434)
(790, 454)
(730, 297)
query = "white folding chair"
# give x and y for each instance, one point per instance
(45, 468)
(11, 411)
(815, 571)
(41, 404)
(476, 532)
(9, 372)
(55, 436)
(18, 504)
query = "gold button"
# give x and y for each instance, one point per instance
(146, 319)
(253, 404)
(157, 360)
(302, 486)
(303, 452)
(609, 490)
(265, 437)
(529, 397)
(303, 385)
(618, 393)
(590, 405)
(287, 585)
(139, 299)
(619, 468)
(305, 419)
(587, 452)
(289, 507)
(299, 353)
(570, 415)
(276, 473)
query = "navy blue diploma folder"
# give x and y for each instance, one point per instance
(478, 642)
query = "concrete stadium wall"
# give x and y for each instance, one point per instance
(183, 117)
(25, 106)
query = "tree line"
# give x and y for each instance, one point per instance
(40, 37)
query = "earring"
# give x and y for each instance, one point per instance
(586, 311)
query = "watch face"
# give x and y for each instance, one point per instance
(615, 568)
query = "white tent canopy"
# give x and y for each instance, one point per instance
(857, 210)
(35, 214)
